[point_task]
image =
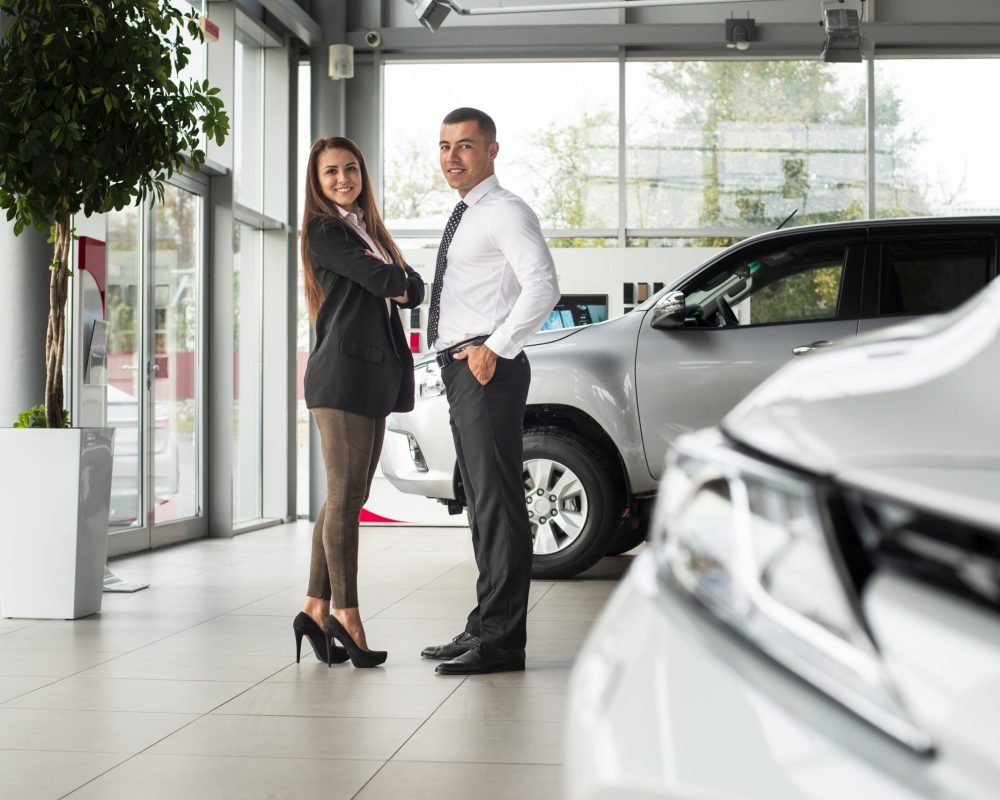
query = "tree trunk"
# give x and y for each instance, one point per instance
(55, 337)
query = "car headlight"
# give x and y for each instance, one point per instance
(428, 379)
(754, 544)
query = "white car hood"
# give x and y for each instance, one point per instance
(912, 413)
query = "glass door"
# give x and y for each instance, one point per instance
(154, 310)
(123, 310)
(175, 354)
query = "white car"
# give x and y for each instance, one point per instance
(817, 614)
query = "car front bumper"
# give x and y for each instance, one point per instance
(666, 703)
(430, 429)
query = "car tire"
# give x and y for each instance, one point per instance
(578, 483)
(628, 538)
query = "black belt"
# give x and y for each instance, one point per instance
(445, 357)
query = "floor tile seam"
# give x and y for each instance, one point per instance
(261, 599)
(260, 757)
(137, 649)
(458, 685)
(413, 591)
(256, 757)
(164, 738)
(203, 570)
(74, 709)
(432, 681)
(217, 714)
(126, 753)
(7, 631)
(530, 607)
(99, 775)
(477, 763)
(100, 711)
(547, 689)
(101, 663)
(70, 650)
(4, 703)
(173, 680)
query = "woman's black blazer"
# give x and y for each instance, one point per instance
(361, 361)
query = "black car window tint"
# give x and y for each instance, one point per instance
(930, 277)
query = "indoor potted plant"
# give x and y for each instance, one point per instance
(95, 118)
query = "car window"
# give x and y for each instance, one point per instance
(928, 277)
(792, 284)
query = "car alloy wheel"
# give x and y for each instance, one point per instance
(557, 504)
(573, 496)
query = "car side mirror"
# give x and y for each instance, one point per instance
(669, 311)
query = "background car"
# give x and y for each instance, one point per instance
(818, 612)
(607, 400)
(123, 415)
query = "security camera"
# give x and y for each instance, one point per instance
(373, 38)
(431, 13)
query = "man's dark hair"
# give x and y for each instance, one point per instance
(487, 127)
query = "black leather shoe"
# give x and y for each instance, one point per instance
(484, 658)
(445, 652)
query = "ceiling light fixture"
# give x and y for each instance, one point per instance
(432, 13)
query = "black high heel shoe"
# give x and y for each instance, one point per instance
(304, 625)
(359, 658)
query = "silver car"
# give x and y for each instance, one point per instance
(607, 400)
(817, 616)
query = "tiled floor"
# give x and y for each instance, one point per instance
(190, 689)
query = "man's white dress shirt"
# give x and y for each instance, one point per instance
(501, 280)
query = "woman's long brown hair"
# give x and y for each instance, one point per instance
(318, 205)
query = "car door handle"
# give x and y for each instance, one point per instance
(805, 348)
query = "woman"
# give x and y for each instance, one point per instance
(359, 371)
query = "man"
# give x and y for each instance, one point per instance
(494, 285)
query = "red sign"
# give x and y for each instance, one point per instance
(210, 29)
(92, 257)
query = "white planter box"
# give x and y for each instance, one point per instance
(55, 489)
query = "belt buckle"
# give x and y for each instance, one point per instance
(446, 356)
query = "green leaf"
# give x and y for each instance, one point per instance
(35, 418)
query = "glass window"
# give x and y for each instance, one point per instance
(557, 125)
(929, 277)
(195, 68)
(795, 284)
(807, 295)
(248, 127)
(303, 326)
(935, 137)
(247, 384)
(743, 144)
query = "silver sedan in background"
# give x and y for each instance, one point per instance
(607, 400)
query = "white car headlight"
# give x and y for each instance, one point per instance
(428, 379)
(753, 543)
